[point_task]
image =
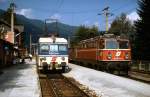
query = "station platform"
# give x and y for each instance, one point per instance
(20, 80)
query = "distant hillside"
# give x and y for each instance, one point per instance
(1, 12)
(36, 27)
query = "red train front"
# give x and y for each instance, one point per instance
(108, 52)
(115, 49)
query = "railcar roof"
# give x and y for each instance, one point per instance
(49, 39)
(106, 37)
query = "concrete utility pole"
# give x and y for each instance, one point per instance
(69, 42)
(12, 7)
(30, 42)
(106, 14)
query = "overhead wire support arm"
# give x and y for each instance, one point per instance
(50, 20)
(106, 13)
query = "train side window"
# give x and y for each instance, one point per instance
(101, 44)
(89, 44)
(80, 46)
(94, 44)
(84, 45)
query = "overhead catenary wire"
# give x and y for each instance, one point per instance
(122, 6)
(126, 12)
(77, 12)
(59, 6)
(72, 13)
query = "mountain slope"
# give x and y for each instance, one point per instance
(37, 28)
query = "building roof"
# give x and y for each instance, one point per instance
(4, 22)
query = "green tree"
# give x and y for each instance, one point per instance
(142, 39)
(121, 26)
(84, 32)
(81, 33)
(93, 32)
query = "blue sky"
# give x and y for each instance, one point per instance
(74, 12)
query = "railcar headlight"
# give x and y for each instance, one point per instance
(100, 53)
(63, 58)
(109, 56)
(43, 59)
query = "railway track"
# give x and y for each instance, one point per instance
(56, 85)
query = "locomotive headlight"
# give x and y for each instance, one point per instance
(100, 53)
(126, 55)
(109, 56)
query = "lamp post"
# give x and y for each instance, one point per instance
(30, 42)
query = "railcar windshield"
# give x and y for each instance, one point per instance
(111, 44)
(44, 48)
(49, 49)
(54, 48)
(62, 47)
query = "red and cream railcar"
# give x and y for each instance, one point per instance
(53, 54)
(106, 52)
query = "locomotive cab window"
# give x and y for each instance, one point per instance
(111, 44)
(101, 44)
(123, 44)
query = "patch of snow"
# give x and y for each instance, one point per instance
(28, 61)
(108, 85)
(20, 81)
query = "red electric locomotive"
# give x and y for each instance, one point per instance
(107, 52)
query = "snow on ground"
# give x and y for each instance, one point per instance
(28, 61)
(20, 81)
(108, 85)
